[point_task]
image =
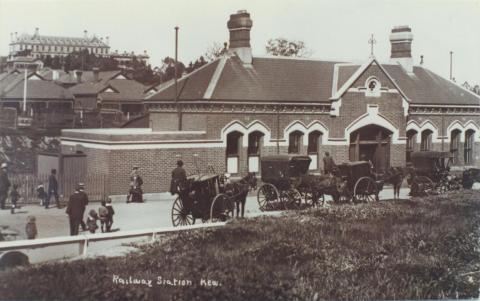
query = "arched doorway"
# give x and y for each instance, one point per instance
(313, 148)
(372, 143)
(234, 145)
(255, 141)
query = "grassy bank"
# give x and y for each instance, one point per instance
(423, 248)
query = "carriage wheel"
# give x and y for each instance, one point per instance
(268, 197)
(292, 199)
(307, 195)
(423, 185)
(365, 190)
(180, 215)
(222, 209)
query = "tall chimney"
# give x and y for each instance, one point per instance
(239, 26)
(85, 34)
(37, 31)
(401, 41)
(96, 72)
(78, 73)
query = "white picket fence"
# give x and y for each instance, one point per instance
(43, 247)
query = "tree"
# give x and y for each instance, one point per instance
(215, 51)
(284, 47)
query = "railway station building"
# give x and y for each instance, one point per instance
(239, 107)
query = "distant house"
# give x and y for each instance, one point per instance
(44, 98)
(109, 91)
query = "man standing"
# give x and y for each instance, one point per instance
(75, 209)
(4, 185)
(81, 190)
(179, 177)
(52, 188)
(135, 193)
(328, 164)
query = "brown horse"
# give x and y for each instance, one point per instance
(238, 191)
(394, 176)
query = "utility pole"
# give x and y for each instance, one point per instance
(179, 108)
(451, 64)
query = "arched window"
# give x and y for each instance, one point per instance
(253, 150)
(426, 142)
(455, 145)
(294, 140)
(314, 139)
(468, 147)
(233, 151)
(411, 142)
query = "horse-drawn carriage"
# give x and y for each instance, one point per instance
(429, 173)
(281, 176)
(361, 183)
(202, 197)
(287, 184)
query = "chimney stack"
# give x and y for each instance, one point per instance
(401, 40)
(96, 72)
(37, 31)
(239, 26)
(78, 74)
(85, 34)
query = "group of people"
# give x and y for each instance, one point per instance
(77, 204)
(45, 196)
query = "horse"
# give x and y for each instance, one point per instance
(469, 177)
(329, 184)
(394, 176)
(238, 191)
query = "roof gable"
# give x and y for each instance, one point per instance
(359, 72)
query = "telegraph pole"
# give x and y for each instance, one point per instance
(451, 63)
(179, 108)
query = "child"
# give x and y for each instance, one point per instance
(14, 196)
(111, 212)
(41, 194)
(103, 215)
(31, 227)
(92, 221)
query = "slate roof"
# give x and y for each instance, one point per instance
(87, 76)
(127, 89)
(12, 87)
(274, 79)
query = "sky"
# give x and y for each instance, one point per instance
(333, 29)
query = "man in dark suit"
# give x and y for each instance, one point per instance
(81, 188)
(52, 188)
(328, 164)
(4, 185)
(75, 210)
(179, 177)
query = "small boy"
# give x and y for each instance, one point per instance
(31, 227)
(14, 197)
(92, 221)
(103, 215)
(111, 212)
(41, 194)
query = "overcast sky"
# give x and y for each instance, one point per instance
(337, 29)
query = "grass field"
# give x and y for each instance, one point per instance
(408, 249)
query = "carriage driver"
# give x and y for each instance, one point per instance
(328, 164)
(179, 177)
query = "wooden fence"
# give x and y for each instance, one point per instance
(95, 186)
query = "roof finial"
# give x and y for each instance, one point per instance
(372, 41)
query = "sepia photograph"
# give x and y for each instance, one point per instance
(301, 150)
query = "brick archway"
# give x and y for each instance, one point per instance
(371, 143)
